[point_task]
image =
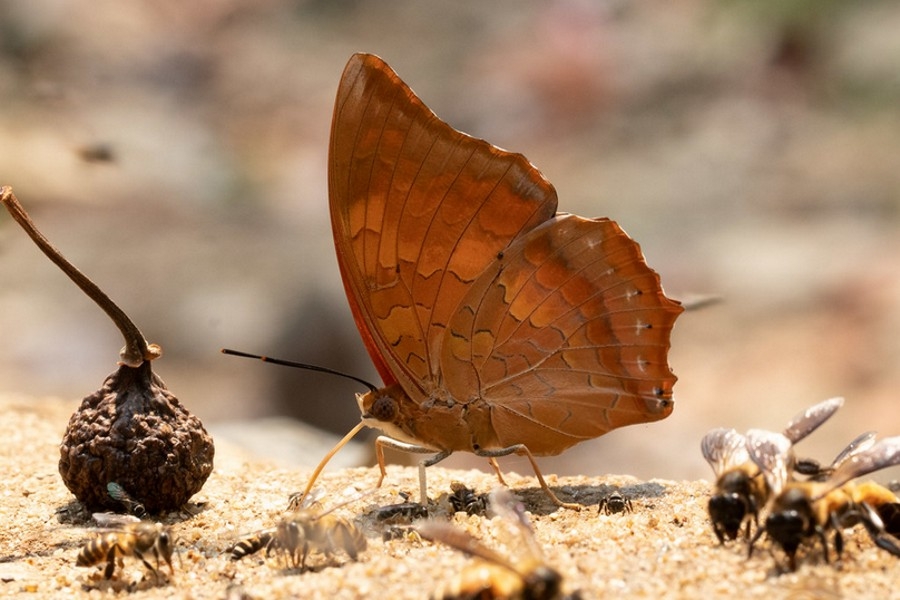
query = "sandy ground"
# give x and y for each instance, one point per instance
(663, 549)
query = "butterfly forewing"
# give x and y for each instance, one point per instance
(419, 210)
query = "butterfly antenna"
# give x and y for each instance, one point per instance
(298, 365)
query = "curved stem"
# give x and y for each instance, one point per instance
(136, 349)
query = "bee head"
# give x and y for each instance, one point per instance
(727, 512)
(542, 583)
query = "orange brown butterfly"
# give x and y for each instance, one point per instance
(498, 325)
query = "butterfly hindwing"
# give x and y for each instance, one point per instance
(566, 337)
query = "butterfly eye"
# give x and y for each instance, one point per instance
(384, 409)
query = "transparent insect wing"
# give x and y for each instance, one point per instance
(310, 500)
(773, 455)
(464, 542)
(881, 455)
(724, 448)
(862, 443)
(811, 419)
(116, 491)
(511, 513)
(113, 520)
(506, 506)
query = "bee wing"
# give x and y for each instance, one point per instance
(881, 455)
(810, 419)
(113, 520)
(313, 498)
(506, 506)
(463, 541)
(724, 448)
(862, 443)
(773, 455)
(511, 511)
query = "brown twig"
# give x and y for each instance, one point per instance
(137, 349)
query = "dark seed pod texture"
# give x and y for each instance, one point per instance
(134, 432)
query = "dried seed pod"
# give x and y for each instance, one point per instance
(132, 431)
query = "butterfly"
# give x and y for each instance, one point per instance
(498, 325)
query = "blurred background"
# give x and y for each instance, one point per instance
(177, 153)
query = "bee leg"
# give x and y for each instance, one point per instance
(156, 559)
(110, 562)
(112, 557)
(270, 542)
(304, 552)
(719, 531)
(750, 526)
(889, 513)
(792, 561)
(753, 510)
(147, 564)
(838, 542)
(719, 536)
(885, 542)
(290, 557)
(876, 530)
(756, 536)
(346, 539)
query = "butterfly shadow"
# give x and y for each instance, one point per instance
(588, 495)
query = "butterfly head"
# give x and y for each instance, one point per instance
(380, 405)
(391, 410)
(381, 409)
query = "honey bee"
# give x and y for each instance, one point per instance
(740, 490)
(464, 499)
(493, 575)
(401, 532)
(302, 532)
(615, 503)
(805, 510)
(400, 513)
(140, 539)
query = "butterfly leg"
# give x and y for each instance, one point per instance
(496, 467)
(383, 440)
(522, 450)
